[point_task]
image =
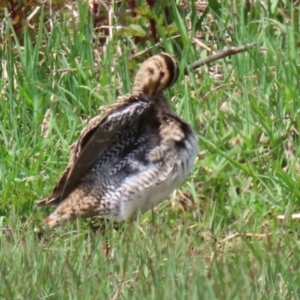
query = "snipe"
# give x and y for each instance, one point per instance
(131, 157)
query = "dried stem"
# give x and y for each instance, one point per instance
(221, 54)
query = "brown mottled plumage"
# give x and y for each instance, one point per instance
(131, 157)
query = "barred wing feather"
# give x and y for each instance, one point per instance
(94, 140)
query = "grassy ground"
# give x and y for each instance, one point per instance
(218, 236)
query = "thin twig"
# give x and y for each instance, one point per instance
(291, 252)
(151, 47)
(221, 54)
(202, 45)
(247, 235)
(35, 11)
(229, 238)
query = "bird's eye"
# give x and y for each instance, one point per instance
(161, 73)
(151, 70)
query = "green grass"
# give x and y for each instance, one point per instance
(246, 174)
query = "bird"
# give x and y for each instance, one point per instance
(131, 157)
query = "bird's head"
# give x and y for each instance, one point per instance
(155, 74)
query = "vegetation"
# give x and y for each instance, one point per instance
(219, 236)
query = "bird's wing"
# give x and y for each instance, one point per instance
(94, 140)
(177, 144)
(162, 156)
